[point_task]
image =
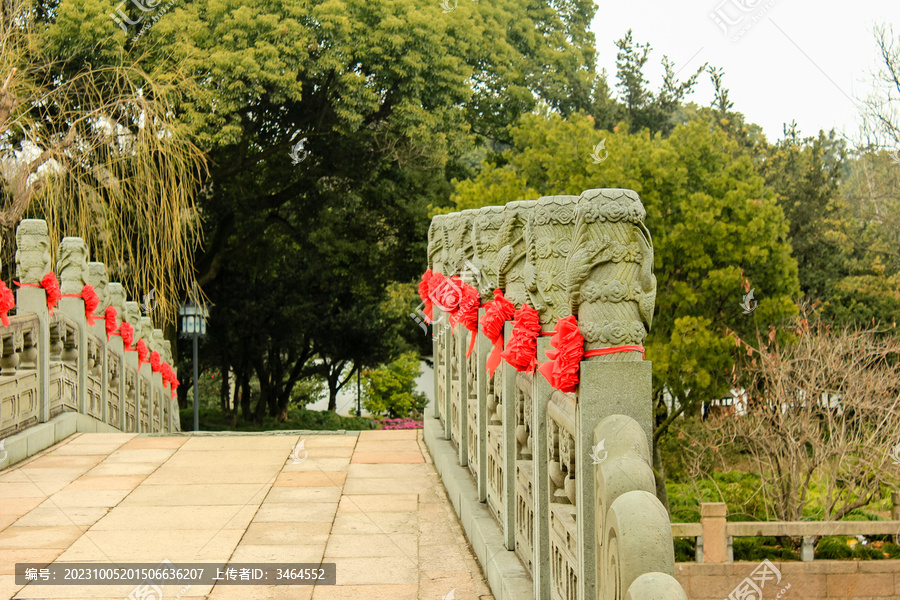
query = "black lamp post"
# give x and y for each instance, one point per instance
(193, 324)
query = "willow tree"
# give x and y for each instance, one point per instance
(97, 151)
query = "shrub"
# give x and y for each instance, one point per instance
(389, 390)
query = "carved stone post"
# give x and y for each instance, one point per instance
(98, 278)
(548, 243)
(511, 253)
(116, 299)
(508, 459)
(612, 291)
(72, 266)
(32, 263)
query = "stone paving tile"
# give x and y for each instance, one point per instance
(303, 494)
(281, 534)
(289, 513)
(310, 479)
(18, 537)
(140, 455)
(123, 468)
(48, 514)
(374, 571)
(261, 592)
(100, 438)
(388, 446)
(387, 435)
(154, 546)
(211, 494)
(233, 444)
(106, 482)
(317, 465)
(367, 592)
(372, 545)
(367, 503)
(385, 485)
(278, 553)
(330, 452)
(401, 471)
(374, 523)
(10, 556)
(185, 518)
(141, 443)
(82, 497)
(329, 441)
(86, 449)
(244, 473)
(200, 459)
(387, 457)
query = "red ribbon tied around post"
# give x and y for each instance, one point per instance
(521, 350)
(565, 360)
(496, 313)
(142, 352)
(424, 287)
(7, 303)
(127, 332)
(51, 287)
(91, 302)
(110, 318)
(447, 293)
(155, 361)
(467, 313)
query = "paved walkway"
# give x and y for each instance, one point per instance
(370, 502)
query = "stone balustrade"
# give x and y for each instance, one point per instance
(566, 476)
(57, 363)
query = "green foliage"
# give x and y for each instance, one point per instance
(389, 390)
(755, 549)
(737, 489)
(212, 419)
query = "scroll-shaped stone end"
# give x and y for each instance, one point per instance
(146, 330)
(116, 298)
(32, 250)
(655, 586)
(98, 277)
(133, 316)
(72, 264)
(612, 205)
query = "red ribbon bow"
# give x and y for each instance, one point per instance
(521, 350)
(155, 361)
(91, 302)
(7, 303)
(496, 312)
(142, 352)
(447, 293)
(424, 287)
(467, 314)
(110, 318)
(127, 332)
(562, 368)
(51, 287)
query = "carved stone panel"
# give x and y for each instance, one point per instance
(72, 265)
(98, 278)
(32, 250)
(511, 254)
(485, 230)
(548, 241)
(611, 284)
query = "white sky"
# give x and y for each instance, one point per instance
(801, 60)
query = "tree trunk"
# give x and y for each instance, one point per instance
(659, 472)
(245, 396)
(223, 389)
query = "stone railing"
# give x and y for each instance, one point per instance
(715, 535)
(58, 363)
(565, 475)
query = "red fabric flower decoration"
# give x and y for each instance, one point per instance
(142, 352)
(448, 294)
(496, 313)
(110, 317)
(521, 350)
(91, 302)
(424, 287)
(167, 373)
(155, 361)
(127, 333)
(563, 367)
(51, 286)
(7, 303)
(467, 313)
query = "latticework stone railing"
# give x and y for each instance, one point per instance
(57, 363)
(566, 475)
